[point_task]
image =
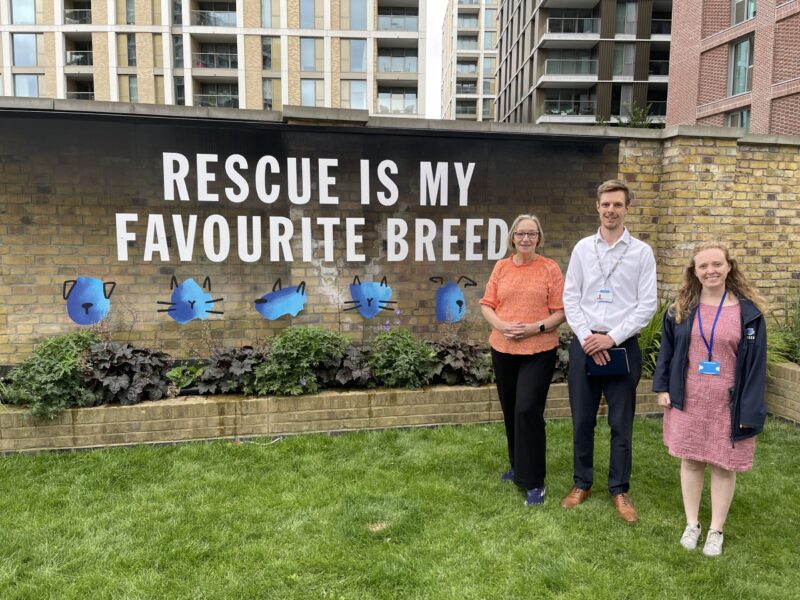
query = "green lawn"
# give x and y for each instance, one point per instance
(397, 514)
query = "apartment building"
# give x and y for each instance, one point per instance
(255, 54)
(469, 60)
(582, 61)
(737, 63)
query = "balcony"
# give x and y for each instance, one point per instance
(558, 66)
(467, 69)
(466, 88)
(570, 107)
(572, 25)
(78, 58)
(661, 27)
(213, 18)
(571, 32)
(657, 108)
(397, 22)
(80, 95)
(78, 16)
(217, 100)
(215, 60)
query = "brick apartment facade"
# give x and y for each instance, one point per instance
(736, 63)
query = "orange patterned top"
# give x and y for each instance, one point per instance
(525, 293)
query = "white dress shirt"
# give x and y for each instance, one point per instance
(632, 284)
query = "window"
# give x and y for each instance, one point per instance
(489, 17)
(488, 66)
(463, 68)
(399, 19)
(466, 87)
(488, 86)
(270, 13)
(225, 95)
(23, 12)
(488, 108)
(177, 12)
(467, 42)
(354, 56)
(24, 49)
(131, 45)
(623, 59)
(743, 10)
(354, 94)
(397, 100)
(177, 51)
(740, 118)
(312, 92)
(354, 15)
(465, 108)
(626, 17)
(272, 94)
(397, 60)
(130, 13)
(489, 40)
(217, 56)
(742, 72)
(267, 53)
(468, 21)
(26, 86)
(311, 55)
(128, 88)
(180, 92)
(311, 14)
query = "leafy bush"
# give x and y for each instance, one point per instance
(400, 360)
(463, 361)
(650, 340)
(296, 357)
(49, 380)
(783, 341)
(230, 370)
(562, 356)
(185, 376)
(352, 371)
(121, 373)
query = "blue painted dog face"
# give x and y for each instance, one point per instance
(450, 303)
(189, 301)
(87, 299)
(280, 302)
(369, 298)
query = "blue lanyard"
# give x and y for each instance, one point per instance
(710, 344)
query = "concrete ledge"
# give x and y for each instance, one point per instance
(218, 417)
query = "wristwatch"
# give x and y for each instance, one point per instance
(541, 327)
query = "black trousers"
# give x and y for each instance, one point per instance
(584, 400)
(523, 381)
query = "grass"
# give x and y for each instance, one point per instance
(397, 514)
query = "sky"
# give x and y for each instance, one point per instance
(433, 58)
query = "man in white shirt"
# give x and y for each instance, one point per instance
(609, 296)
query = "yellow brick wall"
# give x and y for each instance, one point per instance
(144, 67)
(100, 56)
(252, 75)
(293, 43)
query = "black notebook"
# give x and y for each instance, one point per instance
(618, 365)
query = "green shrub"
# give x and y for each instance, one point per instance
(230, 370)
(352, 371)
(783, 340)
(121, 373)
(185, 376)
(296, 357)
(49, 381)
(650, 340)
(463, 361)
(398, 359)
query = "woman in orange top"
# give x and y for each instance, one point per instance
(523, 305)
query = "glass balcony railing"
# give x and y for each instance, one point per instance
(570, 107)
(558, 66)
(80, 95)
(215, 60)
(217, 100)
(78, 16)
(78, 58)
(398, 22)
(661, 27)
(466, 110)
(467, 69)
(468, 2)
(462, 88)
(395, 64)
(572, 25)
(659, 67)
(214, 18)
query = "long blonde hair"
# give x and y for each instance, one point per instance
(689, 295)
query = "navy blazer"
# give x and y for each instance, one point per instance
(748, 409)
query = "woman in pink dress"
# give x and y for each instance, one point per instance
(710, 378)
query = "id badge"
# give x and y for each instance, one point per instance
(709, 367)
(606, 296)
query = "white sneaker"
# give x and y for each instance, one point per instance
(690, 537)
(713, 546)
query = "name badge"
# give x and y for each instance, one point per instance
(604, 296)
(709, 367)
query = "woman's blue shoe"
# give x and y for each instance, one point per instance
(534, 496)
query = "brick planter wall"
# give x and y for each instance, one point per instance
(783, 392)
(212, 417)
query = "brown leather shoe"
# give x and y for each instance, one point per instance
(625, 507)
(576, 496)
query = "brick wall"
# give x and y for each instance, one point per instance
(714, 73)
(786, 114)
(783, 392)
(198, 418)
(714, 14)
(787, 47)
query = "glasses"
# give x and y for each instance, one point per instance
(518, 235)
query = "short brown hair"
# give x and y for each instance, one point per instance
(511, 246)
(614, 185)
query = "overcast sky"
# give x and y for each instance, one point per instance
(433, 78)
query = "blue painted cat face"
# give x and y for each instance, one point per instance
(189, 301)
(450, 303)
(369, 298)
(280, 302)
(87, 299)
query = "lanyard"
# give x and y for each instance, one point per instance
(710, 344)
(600, 263)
